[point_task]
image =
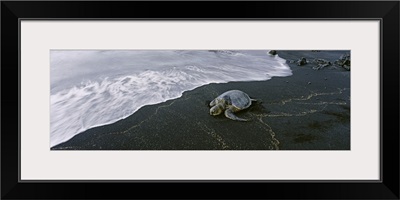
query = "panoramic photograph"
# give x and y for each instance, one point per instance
(217, 99)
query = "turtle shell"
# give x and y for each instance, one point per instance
(236, 98)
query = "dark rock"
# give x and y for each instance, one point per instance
(272, 52)
(321, 63)
(345, 57)
(347, 67)
(344, 61)
(302, 61)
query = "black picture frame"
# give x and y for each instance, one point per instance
(13, 11)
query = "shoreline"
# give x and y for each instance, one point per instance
(309, 110)
(102, 101)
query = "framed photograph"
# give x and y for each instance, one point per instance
(247, 102)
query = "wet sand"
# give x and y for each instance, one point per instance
(309, 110)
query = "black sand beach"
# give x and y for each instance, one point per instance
(309, 110)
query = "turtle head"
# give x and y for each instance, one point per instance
(216, 110)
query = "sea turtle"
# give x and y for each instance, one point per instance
(230, 102)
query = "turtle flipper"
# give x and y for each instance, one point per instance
(229, 114)
(258, 101)
(213, 103)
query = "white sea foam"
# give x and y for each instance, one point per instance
(93, 88)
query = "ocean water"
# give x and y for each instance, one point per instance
(92, 88)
